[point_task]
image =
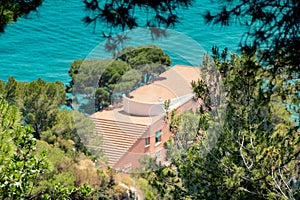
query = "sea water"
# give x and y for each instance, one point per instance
(45, 43)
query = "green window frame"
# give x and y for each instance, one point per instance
(158, 136)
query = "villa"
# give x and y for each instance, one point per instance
(139, 127)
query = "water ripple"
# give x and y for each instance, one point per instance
(45, 43)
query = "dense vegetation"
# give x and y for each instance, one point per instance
(241, 144)
(96, 84)
(272, 29)
(245, 145)
(121, 14)
(11, 10)
(41, 153)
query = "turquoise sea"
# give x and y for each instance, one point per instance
(45, 43)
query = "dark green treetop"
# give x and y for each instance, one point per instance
(103, 82)
(121, 14)
(253, 154)
(11, 10)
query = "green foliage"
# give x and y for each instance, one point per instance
(247, 157)
(272, 30)
(86, 77)
(128, 81)
(113, 73)
(102, 98)
(74, 177)
(11, 10)
(20, 166)
(72, 128)
(167, 184)
(143, 55)
(98, 83)
(2, 88)
(121, 14)
(86, 73)
(185, 128)
(255, 151)
(12, 91)
(41, 102)
(38, 102)
(201, 91)
(150, 60)
(65, 193)
(147, 190)
(147, 163)
(48, 136)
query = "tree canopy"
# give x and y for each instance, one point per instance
(56, 165)
(272, 25)
(273, 29)
(11, 10)
(20, 166)
(244, 148)
(96, 84)
(38, 101)
(121, 14)
(253, 154)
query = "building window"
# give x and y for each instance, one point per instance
(158, 136)
(147, 141)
